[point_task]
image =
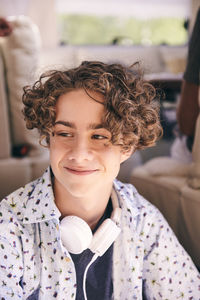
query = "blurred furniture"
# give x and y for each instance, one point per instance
(154, 59)
(169, 89)
(174, 187)
(19, 58)
(170, 83)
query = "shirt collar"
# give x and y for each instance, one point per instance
(38, 200)
(129, 201)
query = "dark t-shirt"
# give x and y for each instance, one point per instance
(99, 276)
(193, 60)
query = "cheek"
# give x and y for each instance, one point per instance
(111, 157)
(56, 151)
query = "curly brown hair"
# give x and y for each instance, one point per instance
(131, 112)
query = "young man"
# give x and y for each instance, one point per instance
(188, 105)
(92, 118)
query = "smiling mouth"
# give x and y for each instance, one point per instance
(80, 172)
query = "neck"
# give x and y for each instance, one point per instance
(89, 208)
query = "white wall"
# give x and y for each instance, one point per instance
(43, 13)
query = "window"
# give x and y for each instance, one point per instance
(125, 22)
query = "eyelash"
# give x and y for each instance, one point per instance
(94, 136)
(99, 137)
(64, 134)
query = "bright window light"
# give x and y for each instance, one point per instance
(125, 22)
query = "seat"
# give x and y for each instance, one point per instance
(19, 63)
(174, 188)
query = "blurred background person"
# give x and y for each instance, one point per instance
(188, 107)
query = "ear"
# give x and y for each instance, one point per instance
(126, 154)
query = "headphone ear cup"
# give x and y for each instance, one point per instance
(103, 238)
(76, 234)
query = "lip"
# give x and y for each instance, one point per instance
(80, 172)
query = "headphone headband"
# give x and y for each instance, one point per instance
(77, 236)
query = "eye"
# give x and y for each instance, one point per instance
(99, 137)
(64, 134)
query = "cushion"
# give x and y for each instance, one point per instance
(178, 203)
(174, 58)
(163, 165)
(190, 203)
(57, 58)
(14, 173)
(5, 149)
(163, 192)
(149, 57)
(194, 176)
(21, 53)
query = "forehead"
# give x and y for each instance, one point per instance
(80, 106)
(81, 93)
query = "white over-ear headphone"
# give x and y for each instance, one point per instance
(77, 236)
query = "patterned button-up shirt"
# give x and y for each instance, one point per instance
(148, 261)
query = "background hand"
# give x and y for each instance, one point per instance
(5, 27)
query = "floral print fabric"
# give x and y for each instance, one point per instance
(147, 257)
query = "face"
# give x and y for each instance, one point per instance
(83, 159)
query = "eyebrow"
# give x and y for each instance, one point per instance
(72, 125)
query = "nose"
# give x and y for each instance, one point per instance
(80, 150)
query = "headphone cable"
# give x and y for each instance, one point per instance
(85, 274)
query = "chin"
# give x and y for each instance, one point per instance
(79, 190)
